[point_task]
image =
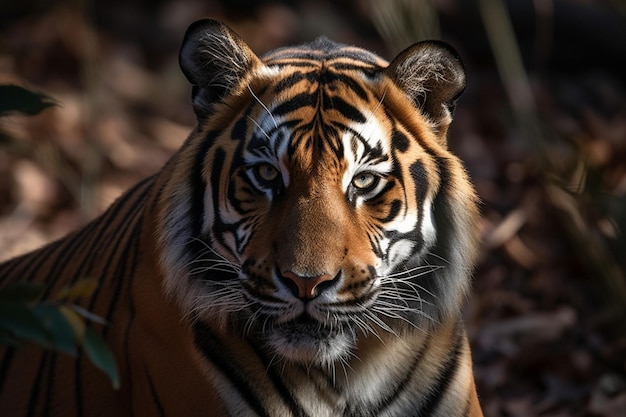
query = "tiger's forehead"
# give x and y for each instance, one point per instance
(320, 98)
(324, 50)
(318, 110)
(305, 131)
(319, 105)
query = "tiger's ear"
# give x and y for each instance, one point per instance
(214, 59)
(432, 75)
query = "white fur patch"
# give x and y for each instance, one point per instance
(372, 134)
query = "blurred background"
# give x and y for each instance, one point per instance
(541, 128)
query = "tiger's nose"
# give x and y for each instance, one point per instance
(305, 288)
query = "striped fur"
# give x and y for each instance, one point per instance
(305, 253)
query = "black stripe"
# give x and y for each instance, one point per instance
(128, 383)
(198, 184)
(443, 218)
(136, 253)
(240, 127)
(79, 365)
(78, 387)
(370, 153)
(116, 212)
(131, 250)
(155, 396)
(10, 265)
(369, 68)
(446, 376)
(195, 247)
(290, 81)
(38, 261)
(294, 103)
(302, 61)
(77, 244)
(118, 227)
(420, 181)
(353, 85)
(76, 241)
(347, 109)
(91, 235)
(48, 395)
(37, 382)
(12, 268)
(70, 248)
(300, 64)
(403, 385)
(127, 333)
(394, 209)
(216, 174)
(399, 141)
(279, 384)
(214, 351)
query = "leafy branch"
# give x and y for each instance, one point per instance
(14, 98)
(57, 324)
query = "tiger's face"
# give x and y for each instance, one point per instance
(319, 216)
(327, 209)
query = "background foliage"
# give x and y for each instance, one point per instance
(541, 128)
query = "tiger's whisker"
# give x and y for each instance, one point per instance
(258, 100)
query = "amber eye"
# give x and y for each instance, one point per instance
(266, 173)
(365, 181)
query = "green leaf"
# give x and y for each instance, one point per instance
(100, 355)
(14, 98)
(19, 321)
(84, 288)
(63, 338)
(88, 315)
(75, 322)
(21, 292)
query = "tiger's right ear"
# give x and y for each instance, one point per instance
(432, 75)
(215, 60)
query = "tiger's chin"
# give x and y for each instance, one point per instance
(307, 341)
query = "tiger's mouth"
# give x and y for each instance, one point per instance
(305, 339)
(306, 326)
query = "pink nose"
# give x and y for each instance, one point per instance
(306, 285)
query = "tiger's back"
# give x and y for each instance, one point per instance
(305, 253)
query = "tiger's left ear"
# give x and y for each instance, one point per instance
(215, 60)
(432, 75)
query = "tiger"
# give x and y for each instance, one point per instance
(306, 252)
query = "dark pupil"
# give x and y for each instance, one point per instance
(364, 181)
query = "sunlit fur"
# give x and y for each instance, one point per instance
(316, 160)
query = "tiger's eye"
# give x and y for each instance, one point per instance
(266, 172)
(364, 181)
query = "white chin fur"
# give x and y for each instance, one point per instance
(308, 349)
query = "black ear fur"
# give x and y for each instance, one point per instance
(432, 75)
(214, 59)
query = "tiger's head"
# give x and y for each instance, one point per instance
(316, 204)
